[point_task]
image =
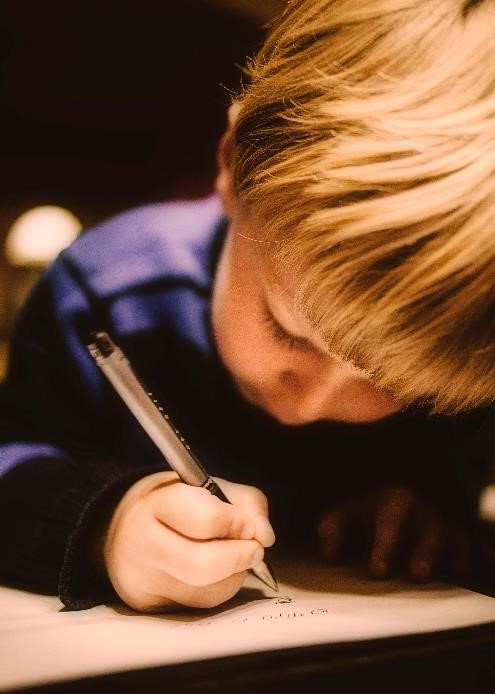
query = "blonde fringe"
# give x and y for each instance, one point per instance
(365, 153)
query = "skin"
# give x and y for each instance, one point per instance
(169, 544)
(275, 359)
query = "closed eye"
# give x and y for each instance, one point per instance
(280, 334)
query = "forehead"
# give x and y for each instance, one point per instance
(252, 258)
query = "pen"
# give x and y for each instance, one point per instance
(157, 424)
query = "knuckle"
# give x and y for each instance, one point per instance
(258, 496)
(253, 495)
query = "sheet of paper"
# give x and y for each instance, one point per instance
(316, 604)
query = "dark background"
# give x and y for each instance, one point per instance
(108, 104)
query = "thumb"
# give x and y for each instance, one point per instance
(254, 503)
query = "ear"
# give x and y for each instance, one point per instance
(223, 183)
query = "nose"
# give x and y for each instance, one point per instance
(310, 393)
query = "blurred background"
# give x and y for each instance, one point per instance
(103, 106)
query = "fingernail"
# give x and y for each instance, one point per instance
(264, 531)
(258, 556)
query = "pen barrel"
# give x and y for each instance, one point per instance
(151, 417)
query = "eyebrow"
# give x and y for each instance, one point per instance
(304, 342)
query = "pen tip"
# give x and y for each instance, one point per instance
(265, 574)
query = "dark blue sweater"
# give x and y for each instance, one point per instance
(69, 449)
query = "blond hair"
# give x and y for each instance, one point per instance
(365, 151)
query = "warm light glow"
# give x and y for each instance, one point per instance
(38, 235)
(487, 504)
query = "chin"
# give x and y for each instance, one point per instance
(295, 419)
(287, 418)
(286, 415)
(253, 396)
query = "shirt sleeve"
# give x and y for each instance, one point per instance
(59, 477)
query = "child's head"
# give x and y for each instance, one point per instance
(363, 169)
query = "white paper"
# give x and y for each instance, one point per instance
(39, 644)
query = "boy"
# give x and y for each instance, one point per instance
(332, 342)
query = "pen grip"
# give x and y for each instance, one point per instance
(214, 489)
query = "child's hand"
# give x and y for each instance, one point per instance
(395, 521)
(171, 544)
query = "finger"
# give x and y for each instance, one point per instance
(253, 502)
(164, 593)
(169, 593)
(331, 534)
(429, 549)
(201, 562)
(391, 516)
(195, 513)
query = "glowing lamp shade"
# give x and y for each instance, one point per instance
(38, 235)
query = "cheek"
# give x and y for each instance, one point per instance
(372, 403)
(239, 340)
(244, 352)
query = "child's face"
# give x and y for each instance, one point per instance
(276, 360)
